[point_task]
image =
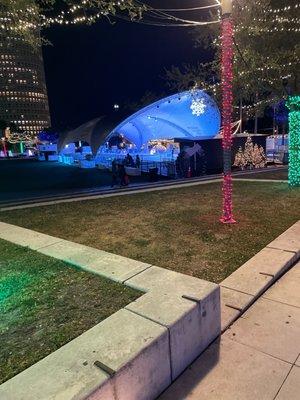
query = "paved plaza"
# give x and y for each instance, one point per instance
(258, 357)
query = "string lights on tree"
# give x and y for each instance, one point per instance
(227, 107)
(293, 104)
(266, 54)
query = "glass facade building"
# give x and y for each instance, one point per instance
(23, 92)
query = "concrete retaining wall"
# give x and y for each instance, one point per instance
(137, 352)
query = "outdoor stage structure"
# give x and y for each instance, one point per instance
(151, 132)
(185, 124)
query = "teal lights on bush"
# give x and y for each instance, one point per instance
(293, 104)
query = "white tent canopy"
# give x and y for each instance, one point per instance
(190, 114)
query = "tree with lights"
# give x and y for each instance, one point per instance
(266, 63)
(267, 55)
(253, 156)
(239, 160)
(24, 17)
(258, 157)
(293, 105)
(248, 152)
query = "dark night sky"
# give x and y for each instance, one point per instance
(89, 68)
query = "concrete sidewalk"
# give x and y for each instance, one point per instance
(258, 357)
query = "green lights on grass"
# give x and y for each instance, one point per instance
(293, 104)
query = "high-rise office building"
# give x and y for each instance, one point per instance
(23, 92)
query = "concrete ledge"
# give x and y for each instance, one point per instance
(100, 262)
(232, 305)
(256, 274)
(140, 349)
(156, 278)
(25, 237)
(286, 289)
(134, 347)
(289, 240)
(188, 306)
(192, 325)
(246, 284)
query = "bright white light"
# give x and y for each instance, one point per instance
(198, 107)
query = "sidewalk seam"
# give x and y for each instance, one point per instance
(292, 366)
(260, 351)
(280, 302)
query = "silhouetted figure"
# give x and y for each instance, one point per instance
(123, 176)
(114, 171)
(137, 161)
(129, 161)
(179, 165)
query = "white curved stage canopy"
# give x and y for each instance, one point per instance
(191, 115)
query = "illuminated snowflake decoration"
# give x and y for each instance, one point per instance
(198, 107)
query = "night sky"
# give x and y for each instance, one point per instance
(89, 68)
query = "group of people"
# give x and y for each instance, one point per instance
(119, 175)
(129, 161)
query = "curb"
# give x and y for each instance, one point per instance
(245, 285)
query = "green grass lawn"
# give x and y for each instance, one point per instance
(281, 174)
(177, 229)
(44, 303)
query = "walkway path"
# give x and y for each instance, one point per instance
(257, 358)
(96, 193)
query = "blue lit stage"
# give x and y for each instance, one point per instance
(149, 133)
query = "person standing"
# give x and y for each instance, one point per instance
(114, 171)
(122, 175)
(137, 161)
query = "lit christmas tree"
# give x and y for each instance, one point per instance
(248, 152)
(239, 160)
(263, 158)
(258, 157)
(253, 156)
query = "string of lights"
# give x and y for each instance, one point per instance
(271, 30)
(278, 19)
(268, 10)
(87, 12)
(217, 5)
(150, 15)
(293, 104)
(227, 100)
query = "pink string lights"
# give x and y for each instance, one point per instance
(227, 106)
